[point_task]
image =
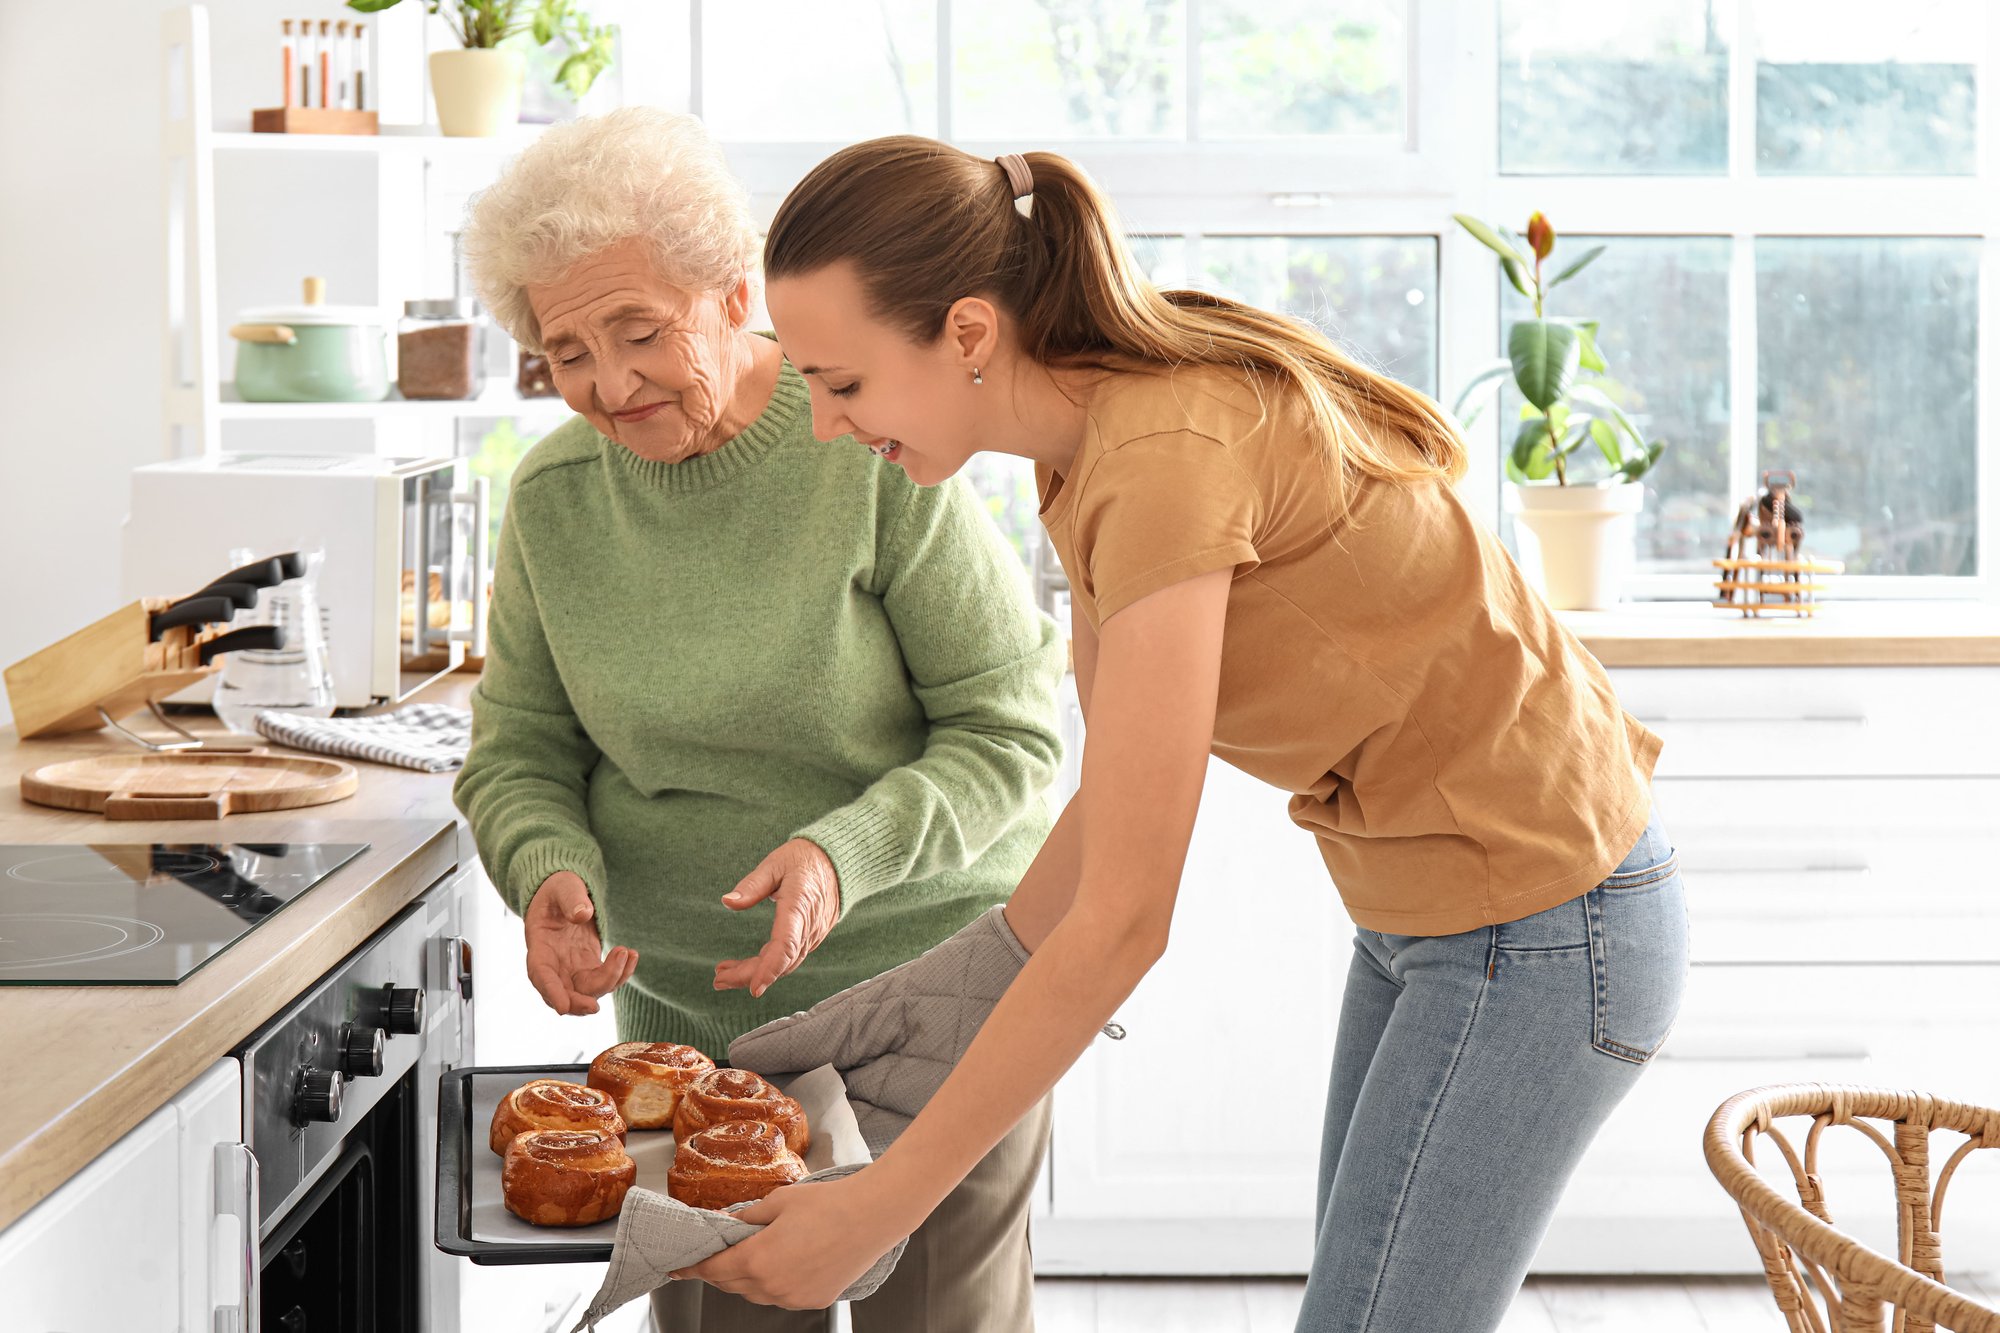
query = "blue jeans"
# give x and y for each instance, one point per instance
(1470, 1073)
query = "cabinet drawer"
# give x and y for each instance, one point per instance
(1840, 870)
(1929, 1028)
(1818, 722)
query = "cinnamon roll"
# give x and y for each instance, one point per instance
(737, 1094)
(550, 1103)
(565, 1177)
(647, 1079)
(734, 1162)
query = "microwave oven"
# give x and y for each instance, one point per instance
(402, 589)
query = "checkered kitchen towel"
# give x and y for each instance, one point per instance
(431, 738)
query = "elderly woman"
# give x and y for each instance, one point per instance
(730, 665)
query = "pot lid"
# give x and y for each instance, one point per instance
(313, 311)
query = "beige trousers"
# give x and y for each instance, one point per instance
(966, 1270)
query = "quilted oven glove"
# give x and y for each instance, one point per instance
(895, 1037)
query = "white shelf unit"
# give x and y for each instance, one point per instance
(198, 399)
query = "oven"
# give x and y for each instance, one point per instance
(339, 1089)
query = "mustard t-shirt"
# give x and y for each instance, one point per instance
(1457, 752)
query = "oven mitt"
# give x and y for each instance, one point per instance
(658, 1235)
(895, 1038)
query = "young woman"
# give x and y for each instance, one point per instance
(1268, 563)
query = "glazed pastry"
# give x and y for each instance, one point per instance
(735, 1162)
(565, 1177)
(647, 1079)
(738, 1094)
(550, 1103)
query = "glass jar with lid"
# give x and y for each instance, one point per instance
(437, 350)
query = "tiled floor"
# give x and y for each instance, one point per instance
(1545, 1305)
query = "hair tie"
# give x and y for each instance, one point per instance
(1020, 180)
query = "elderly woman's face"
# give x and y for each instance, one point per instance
(649, 364)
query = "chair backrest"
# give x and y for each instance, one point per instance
(1825, 1281)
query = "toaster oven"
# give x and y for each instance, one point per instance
(402, 587)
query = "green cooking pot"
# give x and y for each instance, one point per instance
(311, 353)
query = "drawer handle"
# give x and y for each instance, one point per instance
(1726, 1053)
(1843, 719)
(1810, 868)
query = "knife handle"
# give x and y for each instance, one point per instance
(268, 637)
(266, 573)
(241, 595)
(194, 610)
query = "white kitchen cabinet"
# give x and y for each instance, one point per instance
(1141, 1180)
(1839, 837)
(133, 1243)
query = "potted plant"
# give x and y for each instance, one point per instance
(478, 88)
(1584, 525)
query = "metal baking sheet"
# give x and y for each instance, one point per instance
(473, 1222)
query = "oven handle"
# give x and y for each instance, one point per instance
(236, 1198)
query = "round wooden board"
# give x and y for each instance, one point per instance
(189, 785)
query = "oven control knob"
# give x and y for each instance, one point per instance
(360, 1051)
(405, 1013)
(318, 1096)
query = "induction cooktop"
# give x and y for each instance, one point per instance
(143, 914)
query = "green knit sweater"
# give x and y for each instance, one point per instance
(691, 663)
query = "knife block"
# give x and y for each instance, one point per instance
(108, 665)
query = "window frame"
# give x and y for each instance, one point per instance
(1377, 186)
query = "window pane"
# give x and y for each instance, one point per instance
(1852, 88)
(1640, 87)
(1069, 69)
(1374, 295)
(1006, 484)
(1302, 67)
(885, 52)
(1163, 259)
(1866, 387)
(1662, 306)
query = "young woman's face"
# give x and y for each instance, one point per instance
(915, 406)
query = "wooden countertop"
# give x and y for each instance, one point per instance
(1694, 634)
(84, 1064)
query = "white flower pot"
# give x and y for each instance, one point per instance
(478, 92)
(1581, 539)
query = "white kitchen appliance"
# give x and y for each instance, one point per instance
(402, 589)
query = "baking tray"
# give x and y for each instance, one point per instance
(461, 1135)
(471, 1221)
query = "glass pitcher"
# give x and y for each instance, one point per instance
(297, 678)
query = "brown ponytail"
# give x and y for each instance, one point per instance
(927, 224)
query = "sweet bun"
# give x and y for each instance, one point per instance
(647, 1078)
(737, 1094)
(565, 1177)
(550, 1103)
(735, 1162)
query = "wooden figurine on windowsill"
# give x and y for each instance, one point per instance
(1765, 568)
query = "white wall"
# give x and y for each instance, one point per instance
(83, 262)
(82, 275)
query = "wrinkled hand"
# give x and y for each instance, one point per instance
(800, 880)
(817, 1241)
(566, 959)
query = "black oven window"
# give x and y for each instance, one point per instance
(345, 1259)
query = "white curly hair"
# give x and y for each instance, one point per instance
(580, 187)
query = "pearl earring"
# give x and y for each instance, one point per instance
(977, 378)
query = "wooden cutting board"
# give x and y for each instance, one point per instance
(188, 786)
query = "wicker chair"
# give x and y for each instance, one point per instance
(1854, 1284)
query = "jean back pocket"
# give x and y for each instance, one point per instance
(1638, 950)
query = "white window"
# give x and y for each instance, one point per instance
(1768, 298)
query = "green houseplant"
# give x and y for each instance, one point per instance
(478, 87)
(1583, 531)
